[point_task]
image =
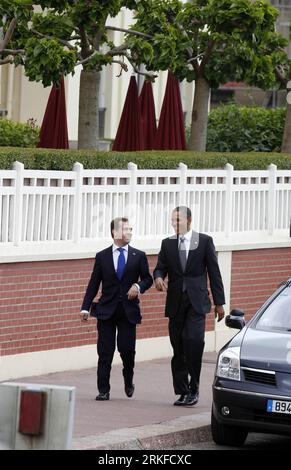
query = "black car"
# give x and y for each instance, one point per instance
(252, 385)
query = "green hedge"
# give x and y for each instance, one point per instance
(47, 159)
(18, 134)
(233, 128)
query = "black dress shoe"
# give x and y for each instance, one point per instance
(182, 401)
(103, 396)
(129, 390)
(192, 398)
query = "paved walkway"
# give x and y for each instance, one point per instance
(148, 419)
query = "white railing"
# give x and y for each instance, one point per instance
(45, 206)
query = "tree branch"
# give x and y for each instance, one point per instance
(8, 34)
(62, 41)
(185, 34)
(13, 51)
(195, 63)
(150, 75)
(129, 31)
(95, 41)
(195, 58)
(207, 55)
(87, 59)
(85, 46)
(123, 66)
(118, 50)
(280, 76)
(8, 60)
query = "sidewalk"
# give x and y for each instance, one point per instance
(148, 420)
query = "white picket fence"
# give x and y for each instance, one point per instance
(46, 206)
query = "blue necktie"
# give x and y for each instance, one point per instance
(120, 263)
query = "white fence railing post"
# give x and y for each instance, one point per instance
(132, 167)
(17, 222)
(183, 183)
(78, 168)
(54, 205)
(228, 199)
(272, 198)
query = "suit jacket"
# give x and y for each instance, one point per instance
(201, 261)
(115, 290)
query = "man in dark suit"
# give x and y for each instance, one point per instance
(124, 273)
(186, 258)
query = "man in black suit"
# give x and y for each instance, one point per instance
(119, 268)
(186, 258)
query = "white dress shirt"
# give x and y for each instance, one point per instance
(116, 253)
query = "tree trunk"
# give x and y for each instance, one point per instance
(88, 130)
(286, 143)
(199, 115)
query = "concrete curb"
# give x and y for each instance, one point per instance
(174, 433)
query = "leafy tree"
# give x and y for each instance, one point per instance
(286, 141)
(283, 73)
(210, 42)
(49, 38)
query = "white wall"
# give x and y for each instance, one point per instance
(72, 100)
(33, 100)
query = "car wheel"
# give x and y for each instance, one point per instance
(224, 434)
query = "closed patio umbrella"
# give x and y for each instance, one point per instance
(129, 135)
(148, 115)
(171, 131)
(54, 130)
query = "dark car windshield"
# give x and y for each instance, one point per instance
(278, 315)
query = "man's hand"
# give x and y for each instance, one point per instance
(84, 316)
(219, 312)
(132, 293)
(160, 285)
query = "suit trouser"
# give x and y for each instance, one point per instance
(126, 335)
(187, 331)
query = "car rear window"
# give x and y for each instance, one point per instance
(277, 316)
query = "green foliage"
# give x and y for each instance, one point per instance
(18, 134)
(50, 40)
(234, 39)
(157, 18)
(49, 159)
(47, 61)
(57, 26)
(98, 60)
(20, 9)
(233, 128)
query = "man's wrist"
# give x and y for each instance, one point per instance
(84, 311)
(137, 286)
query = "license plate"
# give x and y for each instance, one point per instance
(279, 406)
